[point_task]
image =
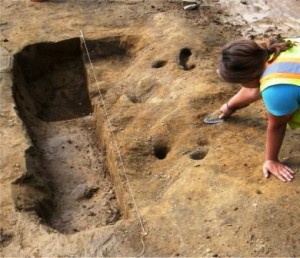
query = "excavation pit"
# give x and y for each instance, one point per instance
(67, 182)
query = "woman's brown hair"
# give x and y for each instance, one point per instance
(244, 61)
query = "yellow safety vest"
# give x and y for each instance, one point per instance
(285, 70)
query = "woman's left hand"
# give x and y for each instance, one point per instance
(281, 171)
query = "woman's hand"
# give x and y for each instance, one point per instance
(226, 111)
(281, 171)
(241, 99)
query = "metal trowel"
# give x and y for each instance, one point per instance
(214, 118)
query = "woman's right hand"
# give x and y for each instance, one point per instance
(226, 111)
(281, 171)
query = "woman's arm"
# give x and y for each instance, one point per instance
(242, 98)
(275, 135)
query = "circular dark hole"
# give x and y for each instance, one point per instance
(184, 56)
(161, 152)
(198, 154)
(185, 52)
(158, 63)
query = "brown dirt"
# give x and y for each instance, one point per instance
(80, 156)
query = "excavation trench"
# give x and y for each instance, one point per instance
(70, 182)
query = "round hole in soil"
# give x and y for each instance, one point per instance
(184, 56)
(158, 63)
(161, 151)
(198, 155)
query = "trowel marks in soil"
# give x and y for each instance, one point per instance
(67, 183)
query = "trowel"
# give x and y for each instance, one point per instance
(214, 118)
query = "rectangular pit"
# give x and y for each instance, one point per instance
(69, 186)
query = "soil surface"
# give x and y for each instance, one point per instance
(103, 147)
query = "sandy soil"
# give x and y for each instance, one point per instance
(114, 159)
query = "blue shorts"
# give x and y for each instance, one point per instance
(282, 99)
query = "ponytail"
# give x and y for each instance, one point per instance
(275, 46)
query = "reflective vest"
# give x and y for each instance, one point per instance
(285, 70)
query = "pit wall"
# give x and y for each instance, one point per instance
(30, 192)
(113, 163)
(120, 49)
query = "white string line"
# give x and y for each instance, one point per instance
(144, 233)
